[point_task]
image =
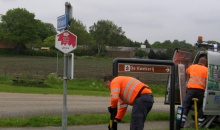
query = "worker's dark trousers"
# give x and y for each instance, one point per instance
(141, 107)
(188, 102)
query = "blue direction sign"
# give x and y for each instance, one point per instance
(62, 22)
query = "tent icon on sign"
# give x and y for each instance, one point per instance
(127, 67)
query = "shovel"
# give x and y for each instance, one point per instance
(112, 125)
(195, 112)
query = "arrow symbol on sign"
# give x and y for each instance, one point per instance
(168, 69)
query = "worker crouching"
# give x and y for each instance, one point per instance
(130, 91)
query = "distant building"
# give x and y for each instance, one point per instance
(9, 45)
(163, 50)
(143, 46)
(121, 51)
(129, 52)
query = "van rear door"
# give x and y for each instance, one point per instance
(211, 104)
(182, 59)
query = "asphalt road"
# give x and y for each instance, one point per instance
(16, 105)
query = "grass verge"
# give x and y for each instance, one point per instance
(82, 119)
(54, 85)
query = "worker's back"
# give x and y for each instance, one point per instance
(198, 74)
(129, 88)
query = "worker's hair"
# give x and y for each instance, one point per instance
(108, 78)
(203, 60)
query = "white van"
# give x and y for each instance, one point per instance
(182, 59)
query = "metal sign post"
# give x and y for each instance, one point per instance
(64, 112)
(66, 42)
(68, 10)
(67, 74)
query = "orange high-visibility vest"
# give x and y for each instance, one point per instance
(198, 75)
(125, 89)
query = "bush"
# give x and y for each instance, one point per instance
(51, 53)
(53, 80)
(141, 53)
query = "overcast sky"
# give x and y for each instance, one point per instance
(154, 20)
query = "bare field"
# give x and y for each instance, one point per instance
(83, 68)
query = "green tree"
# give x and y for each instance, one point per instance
(140, 53)
(49, 42)
(156, 44)
(152, 54)
(169, 53)
(45, 30)
(167, 44)
(18, 26)
(83, 37)
(170, 46)
(128, 42)
(147, 44)
(161, 55)
(105, 32)
(181, 44)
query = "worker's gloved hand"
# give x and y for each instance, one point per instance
(109, 127)
(110, 109)
(117, 120)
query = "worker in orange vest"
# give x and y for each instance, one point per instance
(198, 74)
(130, 91)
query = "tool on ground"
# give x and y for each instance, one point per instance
(195, 112)
(112, 125)
(179, 118)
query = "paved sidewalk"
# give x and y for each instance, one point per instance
(159, 125)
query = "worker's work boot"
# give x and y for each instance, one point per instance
(200, 121)
(183, 121)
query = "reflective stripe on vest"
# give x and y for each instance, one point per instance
(115, 90)
(128, 85)
(124, 106)
(197, 80)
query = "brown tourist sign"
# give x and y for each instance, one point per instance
(126, 67)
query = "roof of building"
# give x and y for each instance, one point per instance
(120, 48)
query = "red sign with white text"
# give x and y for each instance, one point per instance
(163, 69)
(66, 41)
